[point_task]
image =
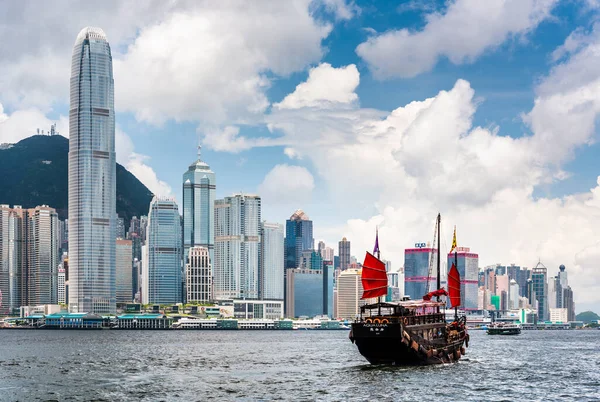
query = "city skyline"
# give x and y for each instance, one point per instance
(348, 155)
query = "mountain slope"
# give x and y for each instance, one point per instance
(34, 171)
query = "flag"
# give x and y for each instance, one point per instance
(453, 240)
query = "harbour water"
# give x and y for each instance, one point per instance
(287, 365)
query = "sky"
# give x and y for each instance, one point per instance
(364, 114)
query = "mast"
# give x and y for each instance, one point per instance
(439, 220)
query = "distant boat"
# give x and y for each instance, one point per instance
(502, 328)
(412, 332)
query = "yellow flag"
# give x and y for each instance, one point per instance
(453, 240)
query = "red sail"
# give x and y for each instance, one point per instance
(454, 286)
(374, 277)
(435, 293)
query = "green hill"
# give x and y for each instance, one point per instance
(587, 316)
(35, 172)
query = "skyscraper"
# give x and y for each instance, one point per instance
(416, 271)
(344, 253)
(198, 275)
(124, 276)
(237, 247)
(120, 227)
(199, 186)
(29, 257)
(539, 290)
(271, 257)
(161, 256)
(298, 238)
(468, 268)
(92, 176)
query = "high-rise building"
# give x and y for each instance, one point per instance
(162, 253)
(271, 257)
(348, 294)
(307, 292)
(62, 297)
(298, 238)
(468, 268)
(417, 270)
(199, 186)
(29, 257)
(344, 253)
(92, 176)
(120, 227)
(143, 227)
(514, 295)
(124, 275)
(502, 290)
(328, 254)
(134, 227)
(198, 275)
(523, 275)
(237, 247)
(539, 290)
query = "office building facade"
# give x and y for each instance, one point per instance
(417, 271)
(198, 275)
(124, 275)
(298, 238)
(162, 254)
(344, 253)
(199, 186)
(272, 261)
(237, 247)
(92, 176)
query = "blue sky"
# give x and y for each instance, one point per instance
(305, 103)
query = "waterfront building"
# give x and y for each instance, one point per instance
(271, 261)
(62, 297)
(539, 290)
(348, 295)
(29, 257)
(305, 291)
(92, 176)
(417, 269)
(559, 315)
(124, 275)
(344, 253)
(161, 256)
(237, 247)
(198, 275)
(298, 238)
(144, 321)
(199, 187)
(468, 268)
(257, 309)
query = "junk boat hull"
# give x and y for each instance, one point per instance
(391, 341)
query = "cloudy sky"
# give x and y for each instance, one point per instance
(362, 113)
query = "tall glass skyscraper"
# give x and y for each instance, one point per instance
(237, 247)
(199, 186)
(344, 253)
(271, 267)
(298, 238)
(161, 271)
(416, 271)
(92, 176)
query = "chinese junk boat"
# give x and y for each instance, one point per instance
(413, 332)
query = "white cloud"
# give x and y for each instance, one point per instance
(137, 165)
(325, 84)
(463, 33)
(341, 9)
(427, 157)
(24, 123)
(286, 184)
(211, 62)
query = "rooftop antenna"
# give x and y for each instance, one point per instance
(199, 151)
